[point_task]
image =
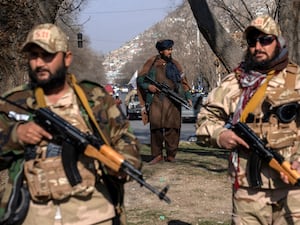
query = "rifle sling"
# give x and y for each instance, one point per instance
(72, 172)
(39, 95)
(80, 93)
(256, 98)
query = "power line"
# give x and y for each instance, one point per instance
(111, 41)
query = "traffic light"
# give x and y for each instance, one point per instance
(79, 40)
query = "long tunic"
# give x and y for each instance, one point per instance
(163, 113)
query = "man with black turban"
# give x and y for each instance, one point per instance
(164, 114)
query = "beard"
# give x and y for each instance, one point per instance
(252, 64)
(54, 81)
(166, 58)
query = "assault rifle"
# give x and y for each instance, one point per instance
(165, 89)
(262, 153)
(89, 145)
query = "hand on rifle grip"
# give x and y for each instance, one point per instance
(293, 171)
(229, 140)
(152, 88)
(31, 133)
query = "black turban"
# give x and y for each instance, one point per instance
(164, 44)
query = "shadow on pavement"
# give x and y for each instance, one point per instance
(177, 222)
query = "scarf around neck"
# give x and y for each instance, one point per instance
(251, 80)
(172, 72)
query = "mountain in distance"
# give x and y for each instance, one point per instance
(190, 48)
(143, 45)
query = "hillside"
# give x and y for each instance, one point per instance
(191, 49)
(132, 55)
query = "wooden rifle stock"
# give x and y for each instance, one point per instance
(285, 167)
(87, 144)
(92, 152)
(273, 158)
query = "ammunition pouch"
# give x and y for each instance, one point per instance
(279, 128)
(282, 132)
(279, 123)
(281, 137)
(47, 180)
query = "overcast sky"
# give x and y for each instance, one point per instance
(111, 23)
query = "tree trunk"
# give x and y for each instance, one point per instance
(289, 19)
(221, 43)
(16, 19)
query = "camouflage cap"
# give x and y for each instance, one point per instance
(49, 37)
(264, 24)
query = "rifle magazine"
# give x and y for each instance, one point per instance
(254, 170)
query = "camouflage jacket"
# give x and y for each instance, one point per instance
(112, 122)
(282, 137)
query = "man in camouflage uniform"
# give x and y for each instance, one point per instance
(98, 199)
(255, 93)
(164, 114)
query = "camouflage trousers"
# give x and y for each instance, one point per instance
(266, 206)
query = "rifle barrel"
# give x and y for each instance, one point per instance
(165, 89)
(55, 124)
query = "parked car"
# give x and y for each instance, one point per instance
(190, 115)
(133, 108)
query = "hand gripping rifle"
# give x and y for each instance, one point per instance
(165, 89)
(87, 144)
(262, 153)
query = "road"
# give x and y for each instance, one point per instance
(143, 133)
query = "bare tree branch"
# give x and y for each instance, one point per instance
(221, 43)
